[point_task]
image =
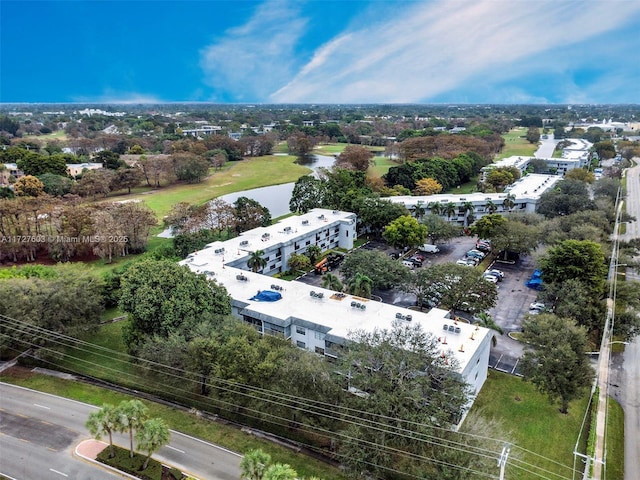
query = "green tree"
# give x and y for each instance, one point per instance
(450, 209)
(109, 159)
(557, 363)
(280, 471)
(313, 252)
(55, 185)
(533, 134)
(151, 435)
(375, 213)
(485, 320)
(509, 202)
(190, 168)
(435, 208)
(106, 420)
(360, 286)
(439, 230)
(455, 287)
(468, 208)
(383, 271)
(162, 297)
(254, 464)
(332, 282)
(382, 367)
(256, 261)
(133, 414)
(32, 163)
(405, 231)
(578, 259)
(250, 214)
(127, 177)
(488, 225)
(299, 262)
(308, 193)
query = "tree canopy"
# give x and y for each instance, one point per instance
(162, 297)
(556, 363)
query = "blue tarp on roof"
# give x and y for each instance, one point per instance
(266, 296)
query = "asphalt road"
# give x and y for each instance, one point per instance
(40, 431)
(625, 382)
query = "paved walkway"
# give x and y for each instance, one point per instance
(89, 449)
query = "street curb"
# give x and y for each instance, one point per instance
(100, 464)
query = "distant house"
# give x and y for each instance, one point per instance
(75, 169)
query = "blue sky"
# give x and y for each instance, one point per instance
(316, 51)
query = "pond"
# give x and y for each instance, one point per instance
(276, 197)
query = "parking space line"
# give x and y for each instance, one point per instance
(59, 473)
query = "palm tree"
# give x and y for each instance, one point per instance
(490, 207)
(132, 415)
(254, 464)
(485, 320)
(151, 436)
(468, 208)
(450, 209)
(280, 471)
(332, 282)
(435, 208)
(418, 210)
(106, 420)
(360, 286)
(256, 262)
(509, 201)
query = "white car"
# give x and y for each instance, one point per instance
(495, 272)
(466, 263)
(490, 278)
(539, 306)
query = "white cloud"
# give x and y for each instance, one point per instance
(432, 48)
(252, 60)
(124, 98)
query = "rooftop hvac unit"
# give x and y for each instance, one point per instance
(287, 229)
(457, 330)
(321, 217)
(305, 222)
(219, 251)
(244, 243)
(312, 293)
(242, 278)
(451, 328)
(445, 327)
(399, 315)
(408, 318)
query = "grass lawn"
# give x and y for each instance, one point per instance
(381, 165)
(515, 143)
(534, 424)
(224, 435)
(235, 176)
(60, 135)
(615, 441)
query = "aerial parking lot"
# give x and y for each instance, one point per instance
(514, 298)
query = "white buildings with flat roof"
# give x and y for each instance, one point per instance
(524, 194)
(317, 319)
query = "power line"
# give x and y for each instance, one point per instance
(60, 339)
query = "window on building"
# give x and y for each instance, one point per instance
(319, 335)
(301, 331)
(308, 242)
(320, 350)
(301, 344)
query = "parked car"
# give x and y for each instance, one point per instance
(483, 247)
(496, 272)
(474, 254)
(408, 263)
(466, 263)
(490, 278)
(537, 306)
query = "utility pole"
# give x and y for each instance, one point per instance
(502, 461)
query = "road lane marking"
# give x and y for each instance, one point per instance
(41, 406)
(176, 449)
(59, 473)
